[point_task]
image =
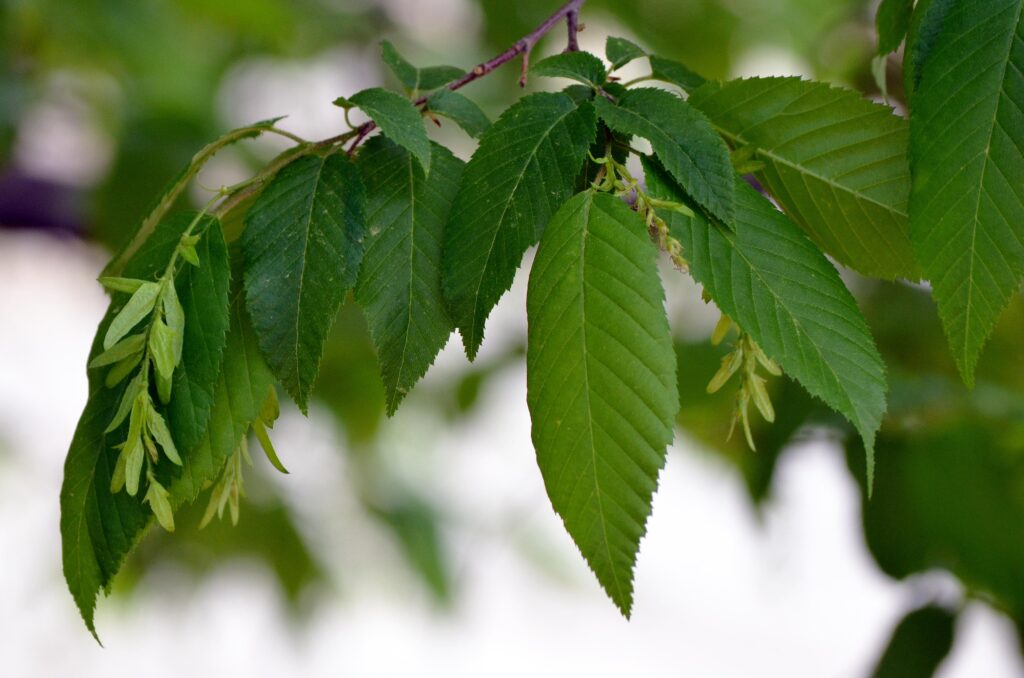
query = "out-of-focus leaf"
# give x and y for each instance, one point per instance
(918, 644)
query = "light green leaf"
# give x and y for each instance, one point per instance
(400, 282)
(268, 447)
(161, 348)
(302, 247)
(398, 119)
(835, 162)
(114, 284)
(162, 435)
(683, 140)
(892, 21)
(137, 308)
(774, 283)
(522, 172)
(120, 371)
(417, 79)
(126, 348)
(580, 66)
(601, 380)
(126, 402)
(676, 74)
(462, 111)
(621, 51)
(967, 202)
(157, 498)
(174, 315)
(200, 296)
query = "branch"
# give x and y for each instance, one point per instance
(570, 11)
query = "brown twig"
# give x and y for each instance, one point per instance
(570, 11)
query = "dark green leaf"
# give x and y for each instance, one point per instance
(919, 644)
(835, 162)
(967, 202)
(769, 278)
(522, 172)
(580, 66)
(601, 372)
(203, 297)
(398, 119)
(892, 21)
(302, 246)
(675, 73)
(925, 26)
(400, 282)
(621, 51)
(462, 111)
(683, 140)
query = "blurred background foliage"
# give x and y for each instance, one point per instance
(146, 80)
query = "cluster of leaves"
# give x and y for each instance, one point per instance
(429, 244)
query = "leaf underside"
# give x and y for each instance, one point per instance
(522, 172)
(835, 162)
(770, 278)
(601, 380)
(302, 247)
(967, 201)
(400, 280)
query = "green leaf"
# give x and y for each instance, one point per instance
(925, 26)
(919, 644)
(398, 119)
(302, 246)
(156, 497)
(892, 21)
(967, 201)
(400, 281)
(775, 284)
(601, 380)
(683, 140)
(201, 297)
(138, 307)
(161, 348)
(675, 73)
(621, 51)
(580, 66)
(417, 79)
(241, 390)
(462, 111)
(522, 172)
(115, 284)
(126, 348)
(835, 162)
(162, 435)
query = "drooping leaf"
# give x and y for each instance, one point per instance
(621, 51)
(138, 307)
(98, 528)
(919, 644)
(891, 22)
(400, 282)
(302, 247)
(202, 296)
(240, 392)
(398, 119)
(774, 283)
(682, 138)
(522, 172)
(835, 162)
(125, 348)
(925, 25)
(675, 73)
(580, 66)
(600, 380)
(461, 110)
(967, 201)
(417, 79)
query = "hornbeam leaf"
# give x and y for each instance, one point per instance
(399, 284)
(398, 119)
(675, 73)
(621, 51)
(524, 169)
(417, 79)
(461, 110)
(601, 380)
(682, 138)
(580, 66)
(967, 201)
(925, 26)
(201, 296)
(302, 247)
(774, 283)
(835, 162)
